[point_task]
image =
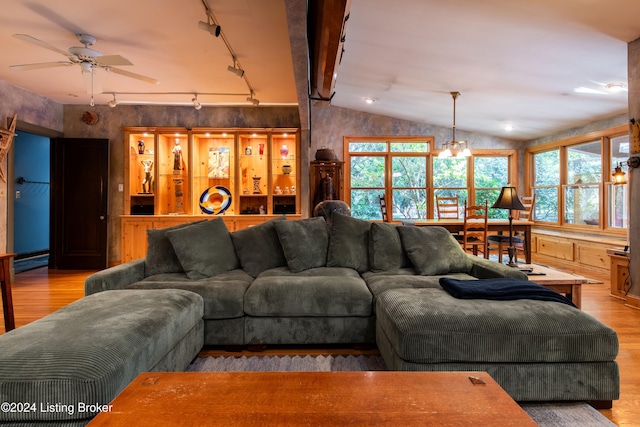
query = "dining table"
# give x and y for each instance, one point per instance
(499, 226)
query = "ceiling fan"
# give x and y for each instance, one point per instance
(88, 59)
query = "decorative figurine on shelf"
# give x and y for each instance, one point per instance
(146, 181)
(277, 190)
(256, 185)
(293, 189)
(261, 149)
(249, 150)
(177, 157)
(286, 169)
(141, 147)
(262, 210)
(286, 190)
(284, 150)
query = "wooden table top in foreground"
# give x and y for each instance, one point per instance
(314, 398)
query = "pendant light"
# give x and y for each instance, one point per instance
(461, 146)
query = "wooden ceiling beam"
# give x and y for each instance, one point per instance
(326, 29)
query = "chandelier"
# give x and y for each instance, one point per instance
(462, 147)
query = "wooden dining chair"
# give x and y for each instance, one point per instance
(447, 207)
(474, 231)
(500, 242)
(383, 208)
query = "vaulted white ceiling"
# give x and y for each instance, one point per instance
(514, 62)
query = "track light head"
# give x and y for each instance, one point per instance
(196, 103)
(237, 71)
(211, 28)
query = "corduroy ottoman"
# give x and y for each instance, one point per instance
(536, 350)
(66, 367)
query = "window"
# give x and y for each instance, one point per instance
(490, 174)
(582, 192)
(396, 168)
(573, 184)
(546, 185)
(618, 194)
(410, 175)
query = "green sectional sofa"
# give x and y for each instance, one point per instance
(358, 282)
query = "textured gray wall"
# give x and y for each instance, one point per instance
(634, 174)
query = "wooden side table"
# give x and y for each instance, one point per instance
(564, 283)
(5, 283)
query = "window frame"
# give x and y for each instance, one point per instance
(604, 137)
(430, 154)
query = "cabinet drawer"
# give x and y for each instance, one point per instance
(555, 248)
(594, 255)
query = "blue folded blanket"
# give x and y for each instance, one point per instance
(500, 289)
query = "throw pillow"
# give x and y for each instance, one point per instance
(304, 242)
(161, 258)
(433, 251)
(204, 249)
(258, 247)
(349, 243)
(385, 248)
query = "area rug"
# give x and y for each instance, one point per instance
(544, 414)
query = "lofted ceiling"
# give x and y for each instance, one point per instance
(516, 63)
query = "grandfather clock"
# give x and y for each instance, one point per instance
(326, 181)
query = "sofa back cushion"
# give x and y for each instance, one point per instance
(433, 251)
(204, 249)
(385, 248)
(305, 243)
(258, 247)
(161, 258)
(349, 243)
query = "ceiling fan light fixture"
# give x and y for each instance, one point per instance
(212, 28)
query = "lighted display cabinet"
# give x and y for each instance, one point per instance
(176, 175)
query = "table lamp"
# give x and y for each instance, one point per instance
(508, 199)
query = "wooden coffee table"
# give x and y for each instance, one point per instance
(559, 281)
(314, 398)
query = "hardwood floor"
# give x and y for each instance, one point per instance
(39, 292)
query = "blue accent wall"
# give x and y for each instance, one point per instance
(31, 210)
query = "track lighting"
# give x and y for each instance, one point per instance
(196, 103)
(211, 28)
(253, 100)
(113, 102)
(235, 70)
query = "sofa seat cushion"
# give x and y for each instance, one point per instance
(322, 291)
(431, 326)
(90, 350)
(402, 278)
(222, 294)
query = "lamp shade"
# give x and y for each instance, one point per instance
(508, 199)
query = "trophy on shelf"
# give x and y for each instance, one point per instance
(146, 181)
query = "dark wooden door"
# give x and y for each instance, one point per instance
(79, 183)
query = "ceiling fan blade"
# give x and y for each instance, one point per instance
(91, 82)
(27, 38)
(27, 67)
(132, 75)
(112, 60)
